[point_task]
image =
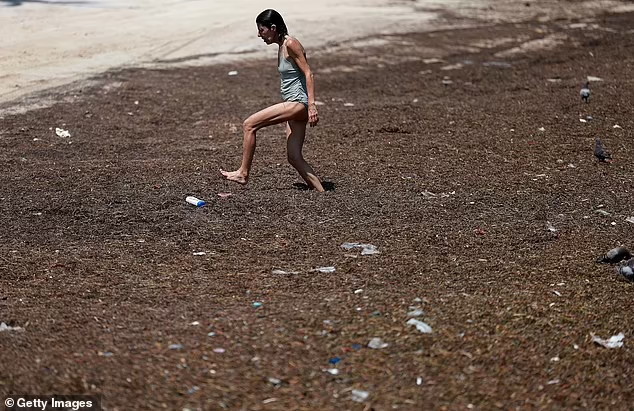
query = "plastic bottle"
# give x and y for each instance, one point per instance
(195, 201)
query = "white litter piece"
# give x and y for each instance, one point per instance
(348, 104)
(377, 343)
(630, 220)
(359, 291)
(551, 227)
(195, 323)
(232, 73)
(583, 120)
(541, 129)
(333, 371)
(359, 395)
(616, 341)
(420, 326)
(282, 272)
(419, 380)
(61, 132)
(616, 126)
(417, 312)
(367, 249)
(326, 270)
(593, 78)
(200, 253)
(4, 327)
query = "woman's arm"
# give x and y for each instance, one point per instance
(296, 52)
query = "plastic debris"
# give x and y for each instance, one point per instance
(176, 346)
(4, 327)
(419, 380)
(377, 343)
(602, 212)
(616, 126)
(195, 201)
(630, 220)
(359, 291)
(348, 104)
(211, 334)
(219, 350)
(275, 381)
(257, 304)
(282, 272)
(416, 312)
(200, 253)
(356, 346)
(232, 73)
(61, 132)
(367, 249)
(541, 129)
(195, 323)
(551, 227)
(224, 195)
(593, 78)
(359, 395)
(326, 270)
(333, 371)
(616, 341)
(334, 360)
(420, 326)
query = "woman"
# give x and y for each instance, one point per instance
(298, 106)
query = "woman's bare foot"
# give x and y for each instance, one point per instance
(236, 176)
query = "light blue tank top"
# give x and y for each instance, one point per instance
(293, 80)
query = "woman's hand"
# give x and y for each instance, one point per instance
(313, 115)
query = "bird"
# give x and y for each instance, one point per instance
(601, 152)
(615, 255)
(627, 270)
(585, 92)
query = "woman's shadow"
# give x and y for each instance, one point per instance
(328, 186)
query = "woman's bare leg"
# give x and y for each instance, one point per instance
(275, 114)
(295, 134)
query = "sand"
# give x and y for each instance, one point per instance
(55, 43)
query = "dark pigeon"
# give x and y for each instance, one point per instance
(585, 92)
(601, 152)
(627, 270)
(615, 255)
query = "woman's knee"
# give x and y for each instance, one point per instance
(249, 125)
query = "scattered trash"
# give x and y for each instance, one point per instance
(195, 201)
(553, 80)
(428, 195)
(417, 312)
(232, 73)
(630, 220)
(358, 291)
(557, 293)
(551, 227)
(585, 92)
(325, 270)
(602, 212)
(275, 381)
(377, 343)
(501, 64)
(257, 304)
(616, 126)
(61, 132)
(420, 326)
(583, 120)
(175, 347)
(415, 100)
(593, 78)
(601, 152)
(193, 390)
(333, 371)
(615, 255)
(108, 354)
(195, 323)
(334, 360)
(211, 334)
(367, 249)
(224, 195)
(200, 253)
(219, 350)
(359, 395)
(553, 382)
(282, 272)
(446, 81)
(4, 327)
(541, 129)
(348, 104)
(616, 341)
(419, 380)
(356, 347)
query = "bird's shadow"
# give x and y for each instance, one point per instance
(328, 186)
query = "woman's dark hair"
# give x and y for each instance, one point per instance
(270, 17)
